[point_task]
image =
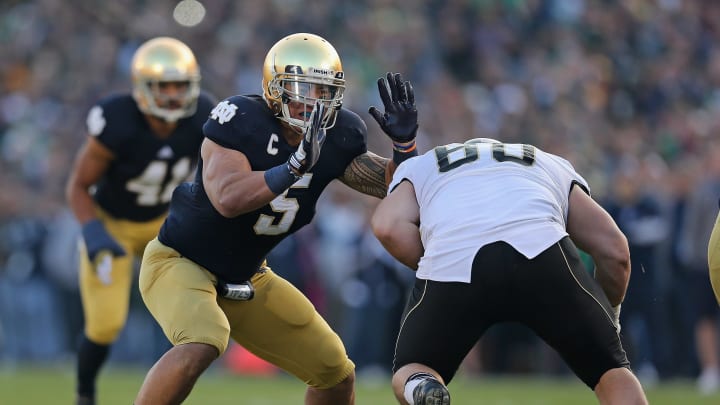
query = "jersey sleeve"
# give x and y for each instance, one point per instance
(349, 133)
(109, 121)
(225, 125)
(404, 172)
(566, 173)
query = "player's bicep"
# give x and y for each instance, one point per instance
(590, 227)
(91, 163)
(403, 203)
(396, 224)
(229, 181)
(221, 166)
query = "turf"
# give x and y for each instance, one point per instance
(28, 385)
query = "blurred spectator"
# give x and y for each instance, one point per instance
(374, 299)
(639, 214)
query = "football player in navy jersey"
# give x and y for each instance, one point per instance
(205, 279)
(139, 148)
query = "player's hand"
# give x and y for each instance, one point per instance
(399, 121)
(98, 240)
(308, 153)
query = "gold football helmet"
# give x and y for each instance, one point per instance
(298, 70)
(157, 63)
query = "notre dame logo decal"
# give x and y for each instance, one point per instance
(223, 112)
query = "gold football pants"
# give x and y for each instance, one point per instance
(106, 297)
(279, 325)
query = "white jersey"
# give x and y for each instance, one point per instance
(482, 191)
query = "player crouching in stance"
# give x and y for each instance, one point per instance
(492, 230)
(205, 279)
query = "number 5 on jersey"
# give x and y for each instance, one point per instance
(283, 208)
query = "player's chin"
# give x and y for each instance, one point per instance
(294, 128)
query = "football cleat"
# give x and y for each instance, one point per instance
(431, 392)
(303, 68)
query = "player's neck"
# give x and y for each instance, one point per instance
(292, 137)
(161, 128)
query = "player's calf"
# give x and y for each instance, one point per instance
(424, 389)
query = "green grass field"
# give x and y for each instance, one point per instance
(54, 385)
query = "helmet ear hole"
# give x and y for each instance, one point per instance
(274, 89)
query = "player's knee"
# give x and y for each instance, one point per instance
(620, 385)
(215, 335)
(341, 379)
(398, 384)
(348, 383)
(338, 376)
(107, 332)
(398, 378)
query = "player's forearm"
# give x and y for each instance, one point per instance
(613, 276)
(80, 202)
(407, 247)
(401, 240)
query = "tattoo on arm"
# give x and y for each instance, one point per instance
(367, 174)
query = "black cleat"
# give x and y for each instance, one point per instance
(431, 392)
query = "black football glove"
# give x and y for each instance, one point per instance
(308, 153)
(399, 121)
(97, 240)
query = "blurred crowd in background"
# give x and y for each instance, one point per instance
(628, 91)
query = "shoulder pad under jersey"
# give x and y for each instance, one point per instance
(114, 118)
(349, 132)
(236, 118)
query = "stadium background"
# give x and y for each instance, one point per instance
(626, 90)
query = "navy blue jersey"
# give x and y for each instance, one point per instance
(234, 248)
(140, 180)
